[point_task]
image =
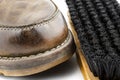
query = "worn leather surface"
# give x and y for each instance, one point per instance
(45, 27)
(23, 12)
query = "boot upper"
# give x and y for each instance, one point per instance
(29, 27)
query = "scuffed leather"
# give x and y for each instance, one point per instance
(32, 39)
(23, 12)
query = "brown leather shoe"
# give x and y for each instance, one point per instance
(33, 37)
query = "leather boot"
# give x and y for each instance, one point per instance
(33, 37)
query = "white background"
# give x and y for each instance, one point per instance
(66, 71)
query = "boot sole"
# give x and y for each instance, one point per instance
(28, 65)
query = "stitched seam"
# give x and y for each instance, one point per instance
(31, 56)
(28, 27)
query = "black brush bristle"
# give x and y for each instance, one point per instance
(97, 23)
